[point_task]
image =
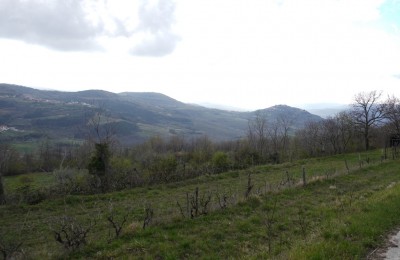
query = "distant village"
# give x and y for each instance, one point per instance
(40, 100)
(4, 128)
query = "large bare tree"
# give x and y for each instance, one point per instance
(367, 112)
(393, 114)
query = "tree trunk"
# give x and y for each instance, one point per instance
(366, 137)
(2, 193)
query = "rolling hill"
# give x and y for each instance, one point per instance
(28, 114)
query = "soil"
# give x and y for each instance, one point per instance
(390, 249)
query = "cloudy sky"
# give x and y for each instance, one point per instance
(248, 54)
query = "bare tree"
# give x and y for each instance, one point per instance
(176, 143)
(100, 127)
(285, 123)
(257, 133)
(392, 110)
(274, 136)
(367, 112)
(309, 138)
(331, 134)
(278, 133)
(346, 129)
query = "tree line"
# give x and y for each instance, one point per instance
(368, 123)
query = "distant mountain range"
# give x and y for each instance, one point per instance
(325, 110)
(28, 114)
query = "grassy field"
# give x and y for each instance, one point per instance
(342, 213)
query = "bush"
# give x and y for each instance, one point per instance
(220, 162)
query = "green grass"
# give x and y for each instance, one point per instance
(34, 180)
(343, 217)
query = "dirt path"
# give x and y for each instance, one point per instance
(391, 249)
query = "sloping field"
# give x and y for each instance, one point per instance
(349, 202)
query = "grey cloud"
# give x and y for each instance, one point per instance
(64, 25)
(120, 29)
(159, 44)
(58, 24)
(397, 76)
(158, 17)
(156, 23)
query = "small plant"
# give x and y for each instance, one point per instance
(329, 173)
(270, 210)
(195, 205)
(181, 210)
(148, 216)
(287, 179)
(194, 211)
(304, 176)
(249, 187)
(71, 233)
(351, 198)
(347, 166)
(204, 202)
(117, 224)
(9, 249)
(222, 201)
(340, 205)
(302, 221)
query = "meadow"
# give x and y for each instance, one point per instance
(348, 203)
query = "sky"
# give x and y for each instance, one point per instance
(246, 54)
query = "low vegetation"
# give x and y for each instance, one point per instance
(278, 219)
(322, 192)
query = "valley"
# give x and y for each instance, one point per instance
(136, 116)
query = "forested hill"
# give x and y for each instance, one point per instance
(27, 114)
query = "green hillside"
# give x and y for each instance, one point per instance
(34, 114)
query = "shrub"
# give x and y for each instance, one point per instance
(220, 162)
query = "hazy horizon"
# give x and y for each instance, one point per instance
(320, 109)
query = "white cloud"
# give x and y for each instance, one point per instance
(156, 44)
(156, 20)
(84, 25)
(250, 54)
(61, 25)
(288, 49)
